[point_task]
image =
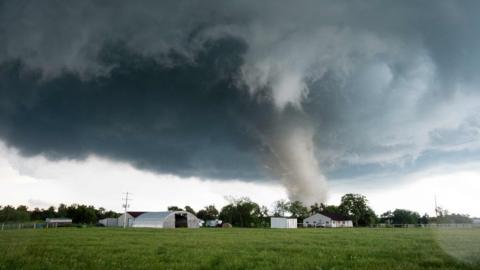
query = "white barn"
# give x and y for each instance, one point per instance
(109, 222)
(130, 218)
(283, 223)
(168, 219)
(328, 220)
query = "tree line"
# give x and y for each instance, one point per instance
(79, 213)
(243, 212)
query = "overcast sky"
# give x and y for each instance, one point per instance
(185, 102)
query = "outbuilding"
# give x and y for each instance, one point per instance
(58, 221)
(109, 222)
(130, 217)
(283, 223)
(328, 220)
(168, 219)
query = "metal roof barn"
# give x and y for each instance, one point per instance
(168, 219)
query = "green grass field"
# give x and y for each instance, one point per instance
(104, 248)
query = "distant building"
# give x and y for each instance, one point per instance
(130, 218)
(283, 223)
(213, 223)
(328, 220)
(109, 222)
(58, 221)
(167, 219)
(476, 221)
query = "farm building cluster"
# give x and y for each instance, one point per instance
(183, 219)
(166, 219)
(324, 220)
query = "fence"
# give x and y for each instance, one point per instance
(431, 225)
(40, 225)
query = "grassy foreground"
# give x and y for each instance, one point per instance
(105, 248)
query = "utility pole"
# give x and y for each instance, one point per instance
(125, 207)
(437, 210)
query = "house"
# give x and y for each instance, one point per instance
(167, 219)
(329, 220)
(283, 223)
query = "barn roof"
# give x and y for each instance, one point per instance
(335, 216)
(135, 214)
(155, 215)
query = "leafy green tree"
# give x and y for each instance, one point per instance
(280, 207)
(62, 210)
(174, 208)
(387, 217)
(402, 216)
(189, 209)
(208, 213)
(22, 214)
(8, 214)
(242, 213)
(356, 207)
(452, 218)
(82, 214)
(298, 210)
(211, 211)
(50, 212)
(333, 209)
(202, 214)
(425, 219)
(37, 214)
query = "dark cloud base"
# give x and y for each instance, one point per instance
(175, 115)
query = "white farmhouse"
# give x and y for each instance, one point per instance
(283, 223)
(327, 220)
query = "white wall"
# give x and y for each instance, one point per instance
(129, 220)
(292, 223)
(109, 222)
(317, 220)
(283, 223)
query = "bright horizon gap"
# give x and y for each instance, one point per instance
(38, 182)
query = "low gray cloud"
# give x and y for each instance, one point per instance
(244, 90)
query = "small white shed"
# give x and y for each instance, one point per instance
(283, 223)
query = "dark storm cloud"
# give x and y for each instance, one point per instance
(225, 89)
(186, 119)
